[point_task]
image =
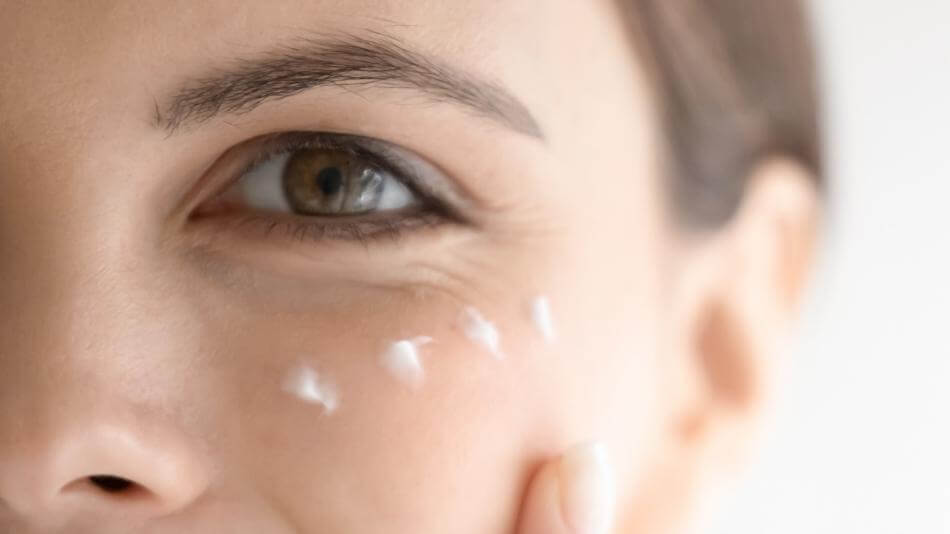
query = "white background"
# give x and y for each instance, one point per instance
(861, 438)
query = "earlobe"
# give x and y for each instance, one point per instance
(744, 285)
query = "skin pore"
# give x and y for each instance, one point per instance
(148, 320)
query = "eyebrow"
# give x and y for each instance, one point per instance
(349, 62)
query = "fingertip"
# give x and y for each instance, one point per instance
(541, 512)
(586, 488)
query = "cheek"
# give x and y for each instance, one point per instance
(394, 455)
(400, 451)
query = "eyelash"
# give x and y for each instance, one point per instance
(366, 229)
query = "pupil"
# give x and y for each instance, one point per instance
(330, 181)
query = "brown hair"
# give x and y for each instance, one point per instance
(736, 82)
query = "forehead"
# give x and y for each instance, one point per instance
(47, 39)
(169, 22)
(85, 60)
(53, 38)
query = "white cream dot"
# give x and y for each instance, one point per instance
(481, 331)
(402, 360)
(307, 385)
(542, 318)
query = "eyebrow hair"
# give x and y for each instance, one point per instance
(346, 61)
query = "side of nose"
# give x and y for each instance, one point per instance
(100, 404)
(102, 469)
(104, 376)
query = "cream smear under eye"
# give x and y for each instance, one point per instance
(402, 360)
(307, 385)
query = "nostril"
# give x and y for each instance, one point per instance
(112, 484)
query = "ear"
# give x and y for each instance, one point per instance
(738, 289)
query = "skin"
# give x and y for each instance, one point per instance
(139, 343)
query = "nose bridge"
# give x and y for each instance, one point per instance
(92, 345)
(79, 275)
(81, 305)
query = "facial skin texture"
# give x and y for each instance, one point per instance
(138, 342)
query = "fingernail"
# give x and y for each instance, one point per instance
(587, 490)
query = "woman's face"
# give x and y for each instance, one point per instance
(182, 309)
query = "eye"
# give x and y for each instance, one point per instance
(331, 186)
(324, 182)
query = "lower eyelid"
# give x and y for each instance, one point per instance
(281, 229)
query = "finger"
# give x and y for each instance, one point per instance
(573, 494)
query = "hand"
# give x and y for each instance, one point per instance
(572, 494)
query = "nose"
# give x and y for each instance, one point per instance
(103, 435)
(105, 410)
(118, 470)
(101, 419)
